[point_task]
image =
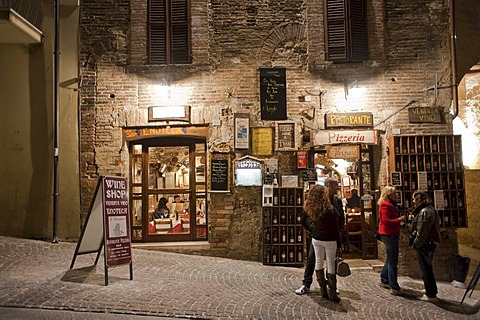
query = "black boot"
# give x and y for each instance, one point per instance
(332, 287)
(322, 283)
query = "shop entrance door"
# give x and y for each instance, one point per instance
(168, 189)
(357, 191)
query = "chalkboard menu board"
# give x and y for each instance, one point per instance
(309, 175)
(220, 172)
(396, 179)
(273, 93)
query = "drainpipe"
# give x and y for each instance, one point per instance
(453, 53)
(56, 121)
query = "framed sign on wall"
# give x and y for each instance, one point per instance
(262, 141)
(242, 131)
(286, 136)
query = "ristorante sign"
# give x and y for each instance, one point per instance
(352, 119)
(329, 137)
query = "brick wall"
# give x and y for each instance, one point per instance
(231, 40)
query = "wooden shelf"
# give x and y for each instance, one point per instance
(283, 233)
(432, 163)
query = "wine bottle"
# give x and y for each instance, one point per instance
(291, 237)
(299, 256)
(291, 255)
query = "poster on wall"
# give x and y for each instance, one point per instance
(262, 141)
(242, 131)
(273, 94)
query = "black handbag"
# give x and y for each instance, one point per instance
(342, 267)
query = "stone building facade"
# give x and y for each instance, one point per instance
(408, 48)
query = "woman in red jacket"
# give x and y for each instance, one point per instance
(389, 230)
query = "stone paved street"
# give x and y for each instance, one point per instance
(36, 275)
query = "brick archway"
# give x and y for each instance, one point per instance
(288, 31)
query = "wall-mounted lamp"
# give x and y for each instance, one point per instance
(162, 90)
(353, 90)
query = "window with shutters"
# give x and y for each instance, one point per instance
(169, 32)
(346, 30)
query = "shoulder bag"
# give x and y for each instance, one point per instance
(342, 267)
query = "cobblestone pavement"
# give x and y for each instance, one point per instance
(36, 275)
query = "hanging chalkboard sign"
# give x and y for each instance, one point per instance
(309, 175)
(273, 93)
(220, 172)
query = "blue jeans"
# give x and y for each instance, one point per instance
(309, 268)
(390, 268)
(425, 259)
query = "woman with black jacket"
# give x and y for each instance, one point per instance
(322, 223)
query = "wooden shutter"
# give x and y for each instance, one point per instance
(358, 31)
(168, 31)
(346, 33)
(157, 31)
(180, 33)
(336, 30)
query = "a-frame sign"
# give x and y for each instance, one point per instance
(108, 225)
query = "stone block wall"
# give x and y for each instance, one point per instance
(470, 236)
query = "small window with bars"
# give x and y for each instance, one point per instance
(169, 32)
(346, 30)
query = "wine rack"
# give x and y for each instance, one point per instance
(434, 164)
(283, 233)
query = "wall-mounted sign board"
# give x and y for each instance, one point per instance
(248, 171)
(262, 141)
(286, 136)
(424, 115)
(309, 174)
(349, 119)
(220, 165)
(273, 94)
(396, 178)
(329, 137)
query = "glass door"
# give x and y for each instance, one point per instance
(168, 190)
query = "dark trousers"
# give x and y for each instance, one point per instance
(390, 268)
(425, 259)
(309, 267)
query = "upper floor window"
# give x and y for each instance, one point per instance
(169, 32)
(346, 30)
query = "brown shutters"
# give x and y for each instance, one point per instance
(169, 31)
(346, 35)
(180, 31)
(157, 22)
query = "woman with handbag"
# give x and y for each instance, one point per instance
(322, 223)
(389, 231)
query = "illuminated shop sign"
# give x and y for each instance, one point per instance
(353, 119)
(328, 137)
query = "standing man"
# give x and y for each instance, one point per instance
(332, 185)
(424, 234)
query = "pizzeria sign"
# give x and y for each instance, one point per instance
(330, 137)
